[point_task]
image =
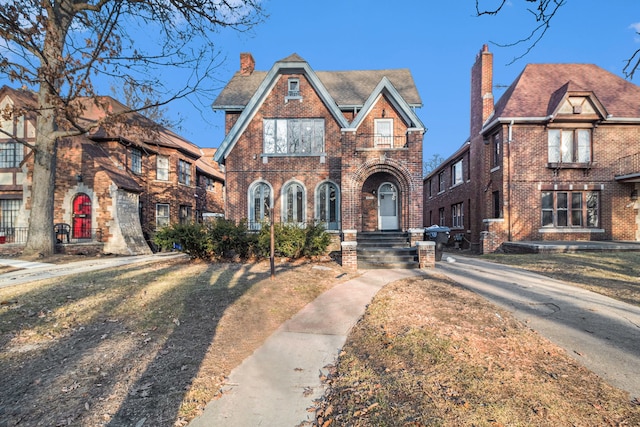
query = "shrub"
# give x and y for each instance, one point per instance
(190, 238)
(293, 241)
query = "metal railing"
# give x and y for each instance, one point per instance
(19, 235)
(628, 165)
(375, 140)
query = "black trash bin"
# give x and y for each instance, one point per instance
(440, 235)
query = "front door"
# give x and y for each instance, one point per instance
(81, 217)
(387, 207)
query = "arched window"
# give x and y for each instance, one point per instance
(328, 205)
(259, 203)
(294, 203)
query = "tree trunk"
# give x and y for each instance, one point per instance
(40, 240)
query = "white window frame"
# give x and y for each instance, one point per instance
(295, 137)
(293, 88)
(254, 223)
(383, 133)
(457, 173)
(162, 168)
(569, 145)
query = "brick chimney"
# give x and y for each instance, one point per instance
(481, 90)
(247, 64)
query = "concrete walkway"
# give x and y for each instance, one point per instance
(278, 383)
(31, 271)
(601, 333)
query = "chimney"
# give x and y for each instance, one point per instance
(247, 64)
(481, 90)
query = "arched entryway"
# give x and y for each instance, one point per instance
(382, 202)
(81, 228)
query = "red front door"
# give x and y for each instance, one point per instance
(82, 217)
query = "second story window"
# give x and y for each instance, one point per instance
(294, 136)
(184, 172)
(440, 182)
(495, 148)
(136, 161)
(162, 168)
(569, 145)
(456, 173)
(383, 133)
(11, 154)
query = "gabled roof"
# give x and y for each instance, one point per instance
(537, 92)
(385, 87)
(339, 90)
(103, 162)
(206, 164)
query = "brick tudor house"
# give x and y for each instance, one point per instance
(557, 158)
(342, 147)
(113, 188)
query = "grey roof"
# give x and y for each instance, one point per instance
(347, 88)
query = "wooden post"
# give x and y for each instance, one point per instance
(272, 257)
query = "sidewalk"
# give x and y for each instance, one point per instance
(31, 271)
(278, 383)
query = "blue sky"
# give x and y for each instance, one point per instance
(436, 40)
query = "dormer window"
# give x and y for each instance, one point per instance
(293, 89)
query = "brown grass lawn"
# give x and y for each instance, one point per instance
(151, 345)
(430, 353)
(140, 345)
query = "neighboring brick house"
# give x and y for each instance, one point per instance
(556, 158)
(343, 148)
(114, 187)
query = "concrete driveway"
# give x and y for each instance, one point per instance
(601, 333)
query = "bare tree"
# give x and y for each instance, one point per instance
(431, 164)
(60, 48)
(543, 13)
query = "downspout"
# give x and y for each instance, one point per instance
(508, 159)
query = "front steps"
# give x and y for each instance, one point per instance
(386, 249)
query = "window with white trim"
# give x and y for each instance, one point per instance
(571, 209)
(293, 88)
(441, 216)
(569, 145)
(383, 133)
(456, 173)
(162, 168)
(259, 204)
(293, 136)
(441, 182)
(11, 154)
